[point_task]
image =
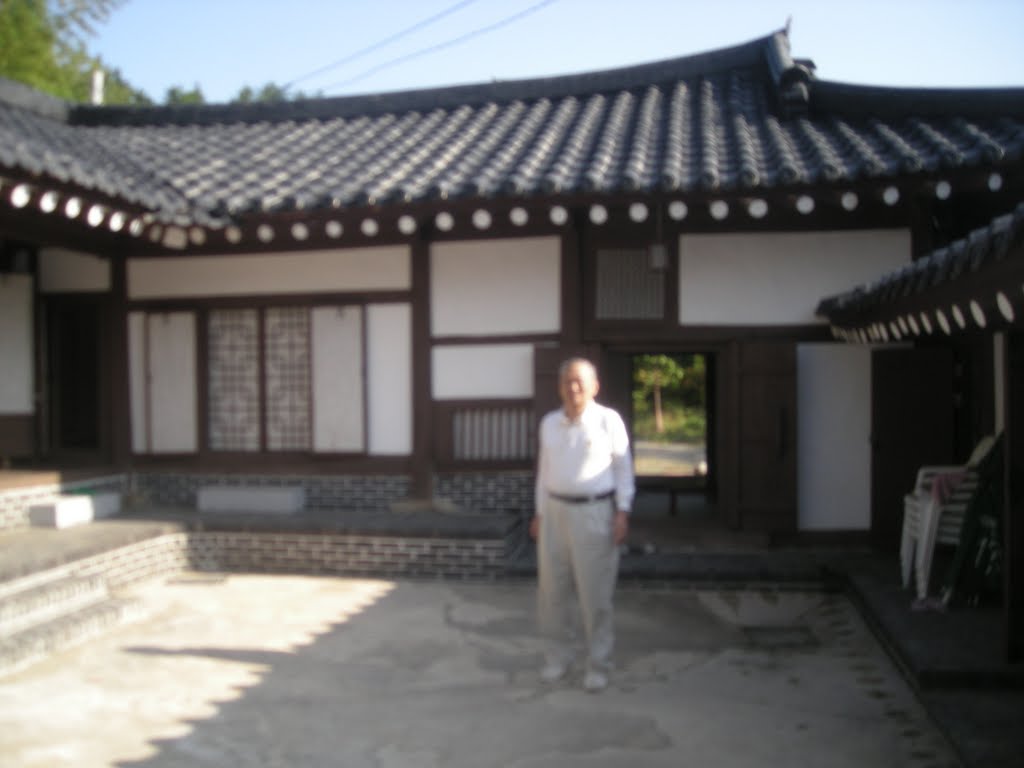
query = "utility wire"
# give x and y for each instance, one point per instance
(380, 44)
(440, 46)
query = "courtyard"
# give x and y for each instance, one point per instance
(257, 670)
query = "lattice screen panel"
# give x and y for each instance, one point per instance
(627, 287)
(286, 378)
(234, 395)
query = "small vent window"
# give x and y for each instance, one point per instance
(627, 287)
(502, 434)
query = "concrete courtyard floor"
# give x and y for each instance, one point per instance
(249, 670)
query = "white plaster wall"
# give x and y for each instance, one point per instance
(64, 271)
(834, 437)
(172, 382)
(354, 269)
(482, 371)
(389, 379)
(16, 379)
(337, 338)
(778, 279)
(493, 287)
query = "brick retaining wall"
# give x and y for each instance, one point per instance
(477, 492)
(297, 553)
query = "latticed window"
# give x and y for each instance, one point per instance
(250, 394)
(286, 378)
(627, 288)
(234, 375)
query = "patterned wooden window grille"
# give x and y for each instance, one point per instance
(286, 378)
(234, 392)
(627, 287)
(500, 433)
(241, 393)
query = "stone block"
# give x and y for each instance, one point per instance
(250, 499)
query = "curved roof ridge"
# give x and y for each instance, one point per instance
(857, 100)
(772, 50)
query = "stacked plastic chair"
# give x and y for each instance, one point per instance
(934, 513)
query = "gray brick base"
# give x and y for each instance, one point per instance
(481, 492)
(297, 553)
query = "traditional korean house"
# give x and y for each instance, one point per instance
(367, 297)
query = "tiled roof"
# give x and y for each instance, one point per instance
(744, 119)
(999, 244)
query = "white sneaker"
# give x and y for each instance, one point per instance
(553, 671)
(594, 681)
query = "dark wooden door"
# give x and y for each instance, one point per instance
(76, 407)
(912, 417)
(765, 421)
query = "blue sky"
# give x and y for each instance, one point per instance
(223, 45)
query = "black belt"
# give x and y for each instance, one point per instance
(580, 499)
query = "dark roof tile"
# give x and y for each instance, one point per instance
(744, 119)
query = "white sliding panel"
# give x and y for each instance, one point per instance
(389, 378)
(137, 392)
(16, 352)
(172, 382)
(338, 379)
(834, 436)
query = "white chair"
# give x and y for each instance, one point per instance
(931, 515)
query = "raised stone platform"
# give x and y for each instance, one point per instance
(68, 510)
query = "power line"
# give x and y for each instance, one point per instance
(440, 46)
(380, 44)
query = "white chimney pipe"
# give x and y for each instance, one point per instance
(97, 86)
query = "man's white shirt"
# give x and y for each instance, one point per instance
(585, 457)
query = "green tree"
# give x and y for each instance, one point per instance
(268, 93)
(28, 44)
(42, 44)
(654, 373)
(178, 95)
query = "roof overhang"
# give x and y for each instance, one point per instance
(973, 285)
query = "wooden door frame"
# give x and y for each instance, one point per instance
(51, 382)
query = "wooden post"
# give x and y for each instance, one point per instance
(422, 450)
(120, 392)
(1013, 506)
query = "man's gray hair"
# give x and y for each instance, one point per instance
(563, 369)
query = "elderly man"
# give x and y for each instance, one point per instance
(584, 493)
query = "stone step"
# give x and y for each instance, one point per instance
(40, 601)
(39, 641)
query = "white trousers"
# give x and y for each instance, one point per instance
(577, 557)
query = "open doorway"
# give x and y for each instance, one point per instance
(671, 415)
(74, 374)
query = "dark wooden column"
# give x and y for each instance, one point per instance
(422, 421)
(572, 271)
(1013, 510)
(120, 391)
